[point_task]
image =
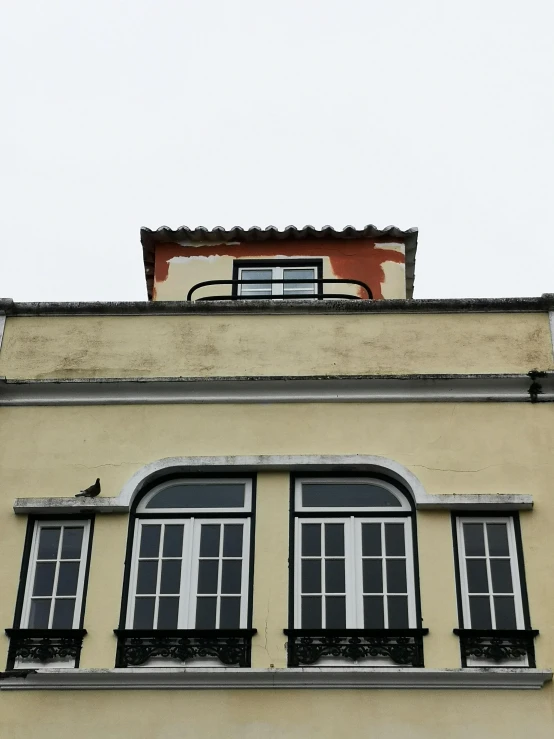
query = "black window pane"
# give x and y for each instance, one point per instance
(48, 543)
(229, 614)
(497, 534)
(209, 540)
(173, 541)
(63, 613)
(205, 613)
(168, 612)
(232, 540)
(231, 576)
(67, 578)
(477, 578)
(474, 539)
(72, 543)
(311, 612)
(334, 539)
(171, 576)
(210, 495)
(505, 612)
(396, 576)
(479, 608)
(44, 578)
(311, 539)
(347, 495)
(150, 541)
(371, 539)
(373, 575)
(147, 577)
(207, 576)
(334, 576)
(501, 572)
(335, 613)
(144, 613)
(395, 544)
(373, 612)
(311, 576)
(299, 274)
(39, 614)
(398, 612)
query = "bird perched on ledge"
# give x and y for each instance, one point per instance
(90, 492)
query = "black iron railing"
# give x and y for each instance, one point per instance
(286, 296)
(44, 645)
(401, 646)
(497, 646)
(232, 647)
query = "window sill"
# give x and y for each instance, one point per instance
(288, 678)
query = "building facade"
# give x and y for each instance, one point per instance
(324, 506)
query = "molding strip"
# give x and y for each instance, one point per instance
(289, 678)
(356, 389)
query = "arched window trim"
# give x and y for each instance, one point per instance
(141, 509)
(406, 503)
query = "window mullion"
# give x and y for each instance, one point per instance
(354, 573)
(323, 583)
(489, 575)
(276, 288)
(385, 584)
(189, 574)
(56, 577)
(158, 576)
(220, 574)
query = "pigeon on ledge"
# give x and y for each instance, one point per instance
(90, 492)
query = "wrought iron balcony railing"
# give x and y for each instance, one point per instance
(401, 646)
(319, 295)
(232, 647)
(44, 645)
(497, 646)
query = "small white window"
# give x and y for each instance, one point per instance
(292, 284)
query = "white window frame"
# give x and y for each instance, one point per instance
(277, 273)
(514, 567)
(299, 507)
(247, 507)
(31, 570)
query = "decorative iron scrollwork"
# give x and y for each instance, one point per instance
(232, 647)
(497, 646)
(402, 646)
(44, 645)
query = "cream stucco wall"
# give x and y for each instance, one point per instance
(250, 345)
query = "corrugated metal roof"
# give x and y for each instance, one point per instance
(217, 235)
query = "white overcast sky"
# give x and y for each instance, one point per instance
(117, 114)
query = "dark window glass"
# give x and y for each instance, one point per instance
(147, 576)
(497, 534)
(505, 612)
(40, 612)
(347, 495)
(477, 579)
(44, 578)
(311, 612)
(373, 612)
(231, 576)
(144, 613)
(72, 543)
(334, 576)
(396, 576)
(168, 613)
(207, 576)
(63, 613)
(373, 575)
(479, 608)
(307, 288)
(474, 539)
(334, 539)
(48, 543)
(398, 612)
(311, 539)
(205, 613)
(232, 540)
(173, 541)
(394, 539)
(68, 575)
(229, 616)
(256, 274)
(501, 572)
(311, 576)
(197, 495)
(209, 540)
(335, 613)
(171, 576)
(371, 539)
(150, 541)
